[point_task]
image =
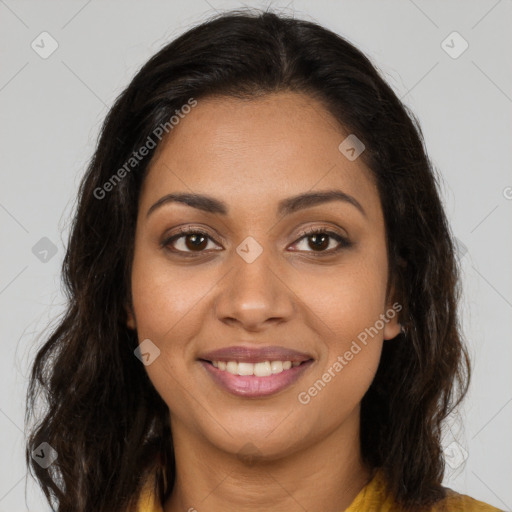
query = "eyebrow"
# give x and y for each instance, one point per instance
(285, 207)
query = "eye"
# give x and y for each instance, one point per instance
(321, 239)
(194, 240)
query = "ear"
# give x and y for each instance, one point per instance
(392, 327)
(130, 317)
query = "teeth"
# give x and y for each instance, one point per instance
(276, 366)
(262, 369)
(246, 369)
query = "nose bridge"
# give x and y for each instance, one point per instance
(254, 293)
(253, 270)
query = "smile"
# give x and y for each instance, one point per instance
(255, 380)
(262, 369)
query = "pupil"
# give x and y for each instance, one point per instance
(197, 241)
(322, 243)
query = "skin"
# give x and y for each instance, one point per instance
(251, 154)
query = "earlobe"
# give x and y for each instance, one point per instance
(130, 318)
(392, 326)
(131, 323)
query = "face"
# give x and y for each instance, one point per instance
(248, 273)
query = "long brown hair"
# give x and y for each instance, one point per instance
(102, 414)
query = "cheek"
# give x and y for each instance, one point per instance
(167, 304)
(165, 314)
(163, 295)
(347, 306)
(347, 299)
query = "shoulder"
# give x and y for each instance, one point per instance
(376, 496)
(455, 501)
(148, 501)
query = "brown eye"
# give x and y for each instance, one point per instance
(196, 241)
(319, 240)
(188, 240)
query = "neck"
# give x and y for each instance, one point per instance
(326, 475)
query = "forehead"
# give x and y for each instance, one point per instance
(255, 151)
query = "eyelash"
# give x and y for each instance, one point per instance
(188, 230)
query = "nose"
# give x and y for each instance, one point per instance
(254, 295)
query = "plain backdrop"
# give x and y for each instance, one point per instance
(52, 109)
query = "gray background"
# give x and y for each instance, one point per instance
(52, 109)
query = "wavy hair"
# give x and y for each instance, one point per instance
(102, 414)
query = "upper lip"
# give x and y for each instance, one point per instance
(255, 355)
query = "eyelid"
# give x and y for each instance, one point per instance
(190, 229)
(343, 240)
(183, 231)
(321, 229)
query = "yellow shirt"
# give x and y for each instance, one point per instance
(374, 497)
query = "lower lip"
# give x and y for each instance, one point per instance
(250, 386)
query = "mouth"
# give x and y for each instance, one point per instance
(259, 369)
(245, 354)
(255, 373)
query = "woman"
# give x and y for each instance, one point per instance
(262, 290)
